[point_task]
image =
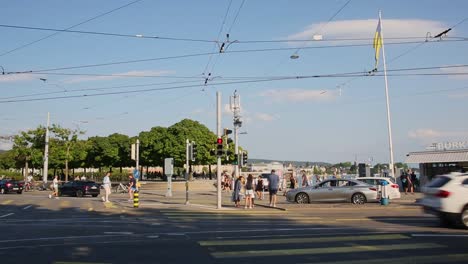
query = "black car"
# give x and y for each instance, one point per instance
(8, 186)
(79, 188)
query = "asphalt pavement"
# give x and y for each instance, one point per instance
(36, 229)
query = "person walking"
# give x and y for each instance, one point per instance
(273, 184)
(131, 186)
(259, 188)
(305, 180)
(237, 191)
(55, 191)
(414, 180)
(404, 181)
(410, 186)
(107, 186)
(249, 192)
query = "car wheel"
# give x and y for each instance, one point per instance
(20, 192)
(302, 198)
(79, 193)
(2, 191)
(94, 195)
(464, 217)
(444, 220)
(358, 198)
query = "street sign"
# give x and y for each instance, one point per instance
(136, 174)
(133, 155)
(169, 166)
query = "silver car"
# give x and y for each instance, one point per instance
(334, 190)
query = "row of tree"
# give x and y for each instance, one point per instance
(67, 150)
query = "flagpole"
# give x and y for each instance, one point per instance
(389, 123)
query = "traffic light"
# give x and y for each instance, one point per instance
(226, 134)
(245, 157)
(219, 147)
(193, 151)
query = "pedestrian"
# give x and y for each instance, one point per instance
(107, 186)
(55, 191)
(131, 186)
(249, 192)
(404, 181)
(236, 194)
(292, 182)
(259, 188)
(83, 178)
(273, 184)
(410, 185)
(305, 180)
(414, 180)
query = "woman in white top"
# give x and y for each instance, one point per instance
(107, 187)
(54, 188)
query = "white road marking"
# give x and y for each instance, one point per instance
(27, 207)
(2, 216)
(55, 238)
(439, 235)
(118, 233)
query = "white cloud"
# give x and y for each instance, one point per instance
(365, 28)
(265, 117)
(119, 75)
(430, 135)
(458, 95)
(300, 95)
(455, 71)
(18, 77)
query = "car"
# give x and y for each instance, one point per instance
(334, 190)
(79, 188)
(9, 186)
(446, 196)
(392, 189)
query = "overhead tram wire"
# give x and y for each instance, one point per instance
(328, 21)
(239, 82)
(411, 49)
(228, 52)
(73, 26)
(227, 37)
(140, 36)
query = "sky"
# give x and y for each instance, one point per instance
(322, 106)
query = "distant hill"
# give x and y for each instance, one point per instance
(294, 163)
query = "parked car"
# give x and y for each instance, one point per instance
(79, 188)
(392, 189)
(334, 190)
(447, 197)
(9, 186)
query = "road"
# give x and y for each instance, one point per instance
(35, 229)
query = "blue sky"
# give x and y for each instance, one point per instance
(313, 119)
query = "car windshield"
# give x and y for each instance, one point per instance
(438, 182)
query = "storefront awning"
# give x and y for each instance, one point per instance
(437, 156)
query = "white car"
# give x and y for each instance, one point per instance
(447, 197)
(392, 189)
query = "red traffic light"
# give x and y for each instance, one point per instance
(219, 141)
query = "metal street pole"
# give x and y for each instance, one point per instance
(389, 123)
(218, 133)
(137, 158)
(235, 108)
(46, 151)
(187, 154)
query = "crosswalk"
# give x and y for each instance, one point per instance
(274, 237)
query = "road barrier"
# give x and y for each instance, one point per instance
(136, 200)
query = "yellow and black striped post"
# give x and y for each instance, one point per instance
(136, 200)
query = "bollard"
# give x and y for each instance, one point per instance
(136, 200)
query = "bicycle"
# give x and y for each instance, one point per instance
(121, 188)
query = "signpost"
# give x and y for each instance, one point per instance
(169, 171)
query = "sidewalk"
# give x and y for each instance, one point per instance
(203, 194)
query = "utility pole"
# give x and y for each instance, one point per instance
(187, 164)
(236, 108)
(46, 151)
(218, 133)
(137, 158)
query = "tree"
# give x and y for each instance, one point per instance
(66, 139)
(28, 147)
(7, 160)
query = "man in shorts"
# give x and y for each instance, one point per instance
(273, 184)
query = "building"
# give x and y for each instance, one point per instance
(440, 158)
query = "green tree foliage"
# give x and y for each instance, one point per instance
(64, 143)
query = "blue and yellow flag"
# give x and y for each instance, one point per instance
(377, 44)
